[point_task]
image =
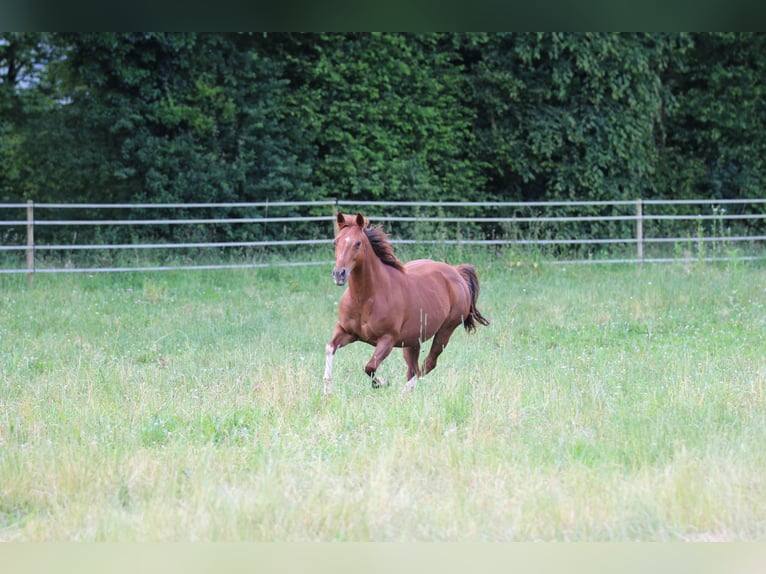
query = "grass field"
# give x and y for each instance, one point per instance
(603, 404)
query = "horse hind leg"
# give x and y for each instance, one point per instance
(441, 338)
(411, 356)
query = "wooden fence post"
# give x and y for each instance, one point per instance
(640, 229)
(30, 242)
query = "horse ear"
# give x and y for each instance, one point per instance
(340, 220)
(360, 220)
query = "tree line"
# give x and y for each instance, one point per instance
(214, 117)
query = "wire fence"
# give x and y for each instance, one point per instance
(85, 238)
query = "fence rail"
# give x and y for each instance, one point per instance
(636, 226)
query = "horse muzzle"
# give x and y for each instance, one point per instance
(340, 276)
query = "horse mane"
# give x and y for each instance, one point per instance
(379, 241)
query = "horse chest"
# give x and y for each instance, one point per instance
(364, 319)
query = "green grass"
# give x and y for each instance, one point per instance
(602, 403)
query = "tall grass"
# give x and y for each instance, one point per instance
(602, 403)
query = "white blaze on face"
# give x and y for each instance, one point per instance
(347, 241)
(342, 252)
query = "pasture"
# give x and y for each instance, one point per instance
(603, 403)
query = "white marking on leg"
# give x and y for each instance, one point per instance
(379, 382)
(410, 386)
(329, 352)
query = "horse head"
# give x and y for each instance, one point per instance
(348, 246)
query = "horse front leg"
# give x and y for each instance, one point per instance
(340, 338)
(382, 350)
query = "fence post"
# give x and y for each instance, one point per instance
(640, 229)
(30, 242)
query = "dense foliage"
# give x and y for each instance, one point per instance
(516, 116)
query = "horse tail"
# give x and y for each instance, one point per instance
(468, 272)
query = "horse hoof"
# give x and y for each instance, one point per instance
(379, 382)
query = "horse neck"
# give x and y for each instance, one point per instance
(372, 275)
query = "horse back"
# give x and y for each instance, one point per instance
(425, 267)
(438, 283)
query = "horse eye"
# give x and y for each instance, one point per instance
(358, 245)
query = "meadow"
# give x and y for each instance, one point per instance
(603, 403)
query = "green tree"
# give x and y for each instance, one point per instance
(24, 94)
(564, 116)
(391, 116)
(188, 117)
(716, 130)
(169, 117)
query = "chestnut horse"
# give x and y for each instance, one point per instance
(391, 304)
